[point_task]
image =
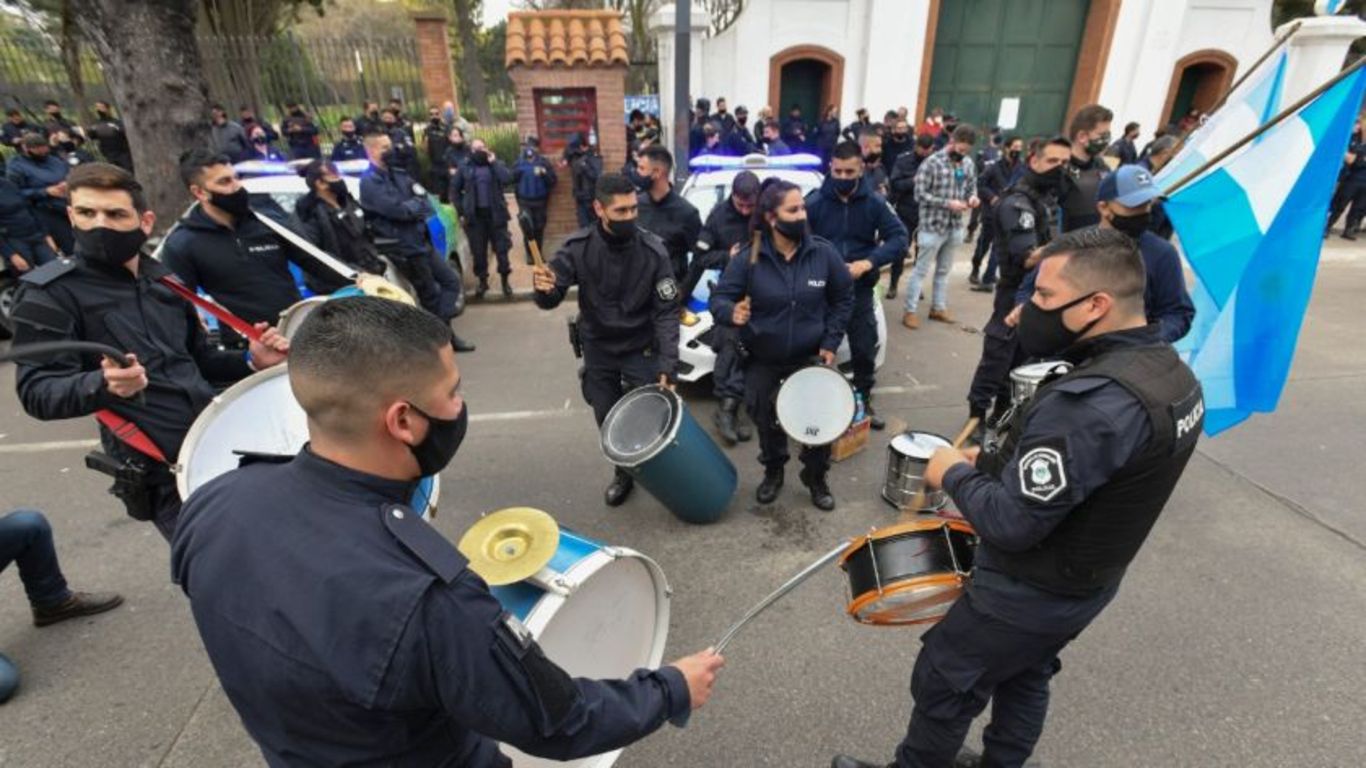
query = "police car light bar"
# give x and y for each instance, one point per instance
(352, 167)
(802, 161)
(265, 168)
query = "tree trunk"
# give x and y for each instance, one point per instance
(151, 62)
(469, 63)
(71, 58)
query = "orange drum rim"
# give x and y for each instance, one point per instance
(920, 582)
(900, 529)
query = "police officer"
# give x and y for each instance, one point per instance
(726, 230)
(1061, 510)
(855, 218)
(222, 247)
(663, 211)
(628, 305)
(24, 244)
(386, 649)
(110, 137)
(405, 151)
(902, 197)
(534, 178)
(333, 221)
(111, 295)
(585, 168)
(41, 178)
(301, 133)
(350, 146)
(792, 301)
(1089, 133)
(992, 182)
(1022, 217)
(435, 138)
(477, 194)
(396, 208)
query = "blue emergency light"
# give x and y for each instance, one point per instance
(797, 162)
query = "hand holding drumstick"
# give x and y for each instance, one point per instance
(940, 463)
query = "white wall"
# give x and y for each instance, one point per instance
(1152, 36)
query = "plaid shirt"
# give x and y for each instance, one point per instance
(936, 183)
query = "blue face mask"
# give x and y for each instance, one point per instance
(844, 187)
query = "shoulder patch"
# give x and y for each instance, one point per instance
(1043, 472)
(423, 541)
(419, 190)
(49, 272)
(666, 289)
(1026, 220)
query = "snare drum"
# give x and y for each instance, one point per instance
(909, 573)
(650, 434)
(369, 285)
(599, 612)
(258, 415)
(1025, 380)
(815, 405)
(907, 457)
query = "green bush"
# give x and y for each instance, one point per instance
(501, 138)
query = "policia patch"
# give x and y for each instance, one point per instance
(1042, 474)
(666, 289)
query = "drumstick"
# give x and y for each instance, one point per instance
(536, 253)
(918, 500)
(778, 594)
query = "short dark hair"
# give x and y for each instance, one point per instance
(846, 150)
(745, 186)
(965, 134)
(890, 116)
(1087, 118)
(106, 177)
(194, 162)
(218, 107)
(1130, 127)
(1051, 141)
(636, 114)
(611, 185)
(924, 141)
(12, 112)
(361, 350)
(1102, 259)
(658, 155)
(313, 172)
(51, 103)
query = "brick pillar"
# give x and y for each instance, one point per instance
(434, 55)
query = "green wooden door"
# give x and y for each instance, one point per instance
(989, 50)
(801, 85)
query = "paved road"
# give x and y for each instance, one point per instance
(1235, 641)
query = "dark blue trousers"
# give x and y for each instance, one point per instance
(26, 539)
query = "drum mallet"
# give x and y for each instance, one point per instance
(908, 512)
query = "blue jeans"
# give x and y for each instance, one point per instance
(26, 538)
(935, 249)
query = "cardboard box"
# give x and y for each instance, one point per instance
(854, 439)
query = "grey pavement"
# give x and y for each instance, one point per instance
(1236, 640)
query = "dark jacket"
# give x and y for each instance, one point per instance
(436, 135)
(1165, 298)
(455, 156)
(301, 133)
(246, 269)
(348, 149)
(340, 232)
(996, 178)
(862, 227)
(71, 300)
(894, 150)
(724, 228)
(230, 139)
(1125, 150)
(739, 141)
(405, 151)
(10, 133)
(395, 209)
(902, 186)
(1080, 182)
(675, 221)
(33, 178)
(628, 297)
(16, 217)
(585, 169)
(385, 649)
(827, 135)
(110, 137)
(529, 184)
(797, 307)
(465, 196)
(794, 132)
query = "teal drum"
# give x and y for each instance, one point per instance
(650, 434)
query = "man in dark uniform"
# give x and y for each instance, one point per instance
(350, 146)
(24, 244)
(663, 212)
(791, 301)
(1022, 217)
(110, 137)
(902, 198)
(1351, 189)
(628, 305)
(726, 230)
(1090, 135)
(1061, 510)
(534, 178)
(222, 247)
(385, 649)
(405, 151)
(848, 212)
(110, 295)
(301, 133)
(14, 129)
(41, 178)
(992, 182)
(585, 168)
(477, 194)
(396, 208)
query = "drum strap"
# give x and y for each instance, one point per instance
(129, 434)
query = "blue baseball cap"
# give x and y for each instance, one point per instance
(1131, 186)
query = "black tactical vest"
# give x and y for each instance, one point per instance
(1091, 548)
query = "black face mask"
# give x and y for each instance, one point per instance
(238, 203)
(259, 142)
(1047, 181)
(338, 189)
(619, 232)
(101, 114)
(109, 246)
(1042, 332)
(643, 183)
(844, 187)
(1134, 225)
(442, 441)
(955, 156)
(348, 135)
(1013, 154)
(872, 157)
(742, 120)
(388, 158)
(68, 146)
(792, 229)
(1097, 145)
(900, 138)
(480, 157)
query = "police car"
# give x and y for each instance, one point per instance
(275, 185)
(708, 186)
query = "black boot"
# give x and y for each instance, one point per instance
(742, 429)
(875, 421)
(507, 286)
(725, 421)
(768, 489)
(482, 289)
(972, 276)
(620, 488)
(1349, 233)
(460, 345)
(820, 491)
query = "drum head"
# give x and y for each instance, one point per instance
(1035, 372)
(294, 315)
(640, 425)
(918, 601)
(919, 445)
(815, 405)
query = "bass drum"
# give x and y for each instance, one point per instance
(258, 415)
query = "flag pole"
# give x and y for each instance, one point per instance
(1281, 40)
(1273, 122)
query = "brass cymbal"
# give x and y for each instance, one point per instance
(510, 544)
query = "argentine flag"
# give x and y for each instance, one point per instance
(1256, 100)
(1251, 228)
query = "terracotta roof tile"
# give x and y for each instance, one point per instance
(566, 38)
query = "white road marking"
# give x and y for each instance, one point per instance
(55, 445)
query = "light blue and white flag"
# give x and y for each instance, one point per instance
(1251, 228)
(1255, 101)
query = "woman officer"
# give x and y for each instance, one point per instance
(791, 294)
